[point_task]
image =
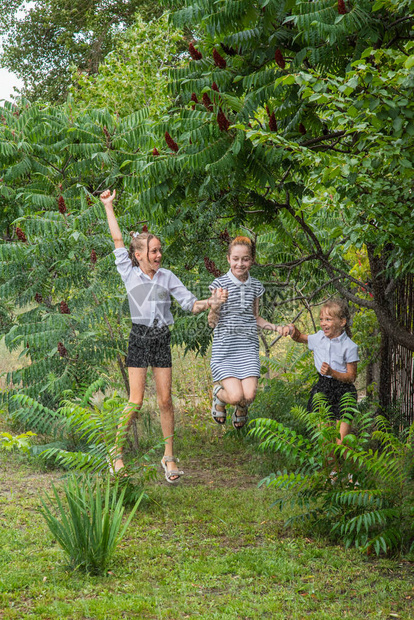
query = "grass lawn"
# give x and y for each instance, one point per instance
(213, 547)
(210, 548)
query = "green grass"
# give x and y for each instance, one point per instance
(211, 548)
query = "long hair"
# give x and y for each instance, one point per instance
(242, 241)
(138, 244)
(339, 307)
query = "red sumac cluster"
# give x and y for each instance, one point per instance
(20, 235)
(64, 308)
(279, 59)
(62, 205)
(211, 267)
(219, 60)
(171, 143)
(222, 121)
(62, 349)
(195, 54)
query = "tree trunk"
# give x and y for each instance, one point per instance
(384, 386)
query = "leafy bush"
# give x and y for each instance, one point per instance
(89, 523)
(295, 374)
(368, 501)
(84, 434)
(19, 442)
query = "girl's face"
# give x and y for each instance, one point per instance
(240, 261)
(331, 324)
(150, 261)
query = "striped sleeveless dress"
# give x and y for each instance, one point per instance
(235, 350)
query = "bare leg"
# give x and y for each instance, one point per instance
(137, 377)
(344, 430)
(238, 392)
(163, 378)
(232, 391)
(249, 386)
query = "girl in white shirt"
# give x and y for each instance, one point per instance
(149, 289)
(335, 356)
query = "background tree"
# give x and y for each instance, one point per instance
(43, 43)
(134, 75)
(292, 121)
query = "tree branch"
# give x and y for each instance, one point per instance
(328, 136)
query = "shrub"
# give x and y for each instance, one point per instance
(89, 522)
(368, 502)
(84, 432)
(16, 442)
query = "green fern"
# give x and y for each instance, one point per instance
(369, 510)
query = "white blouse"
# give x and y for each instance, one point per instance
(151, 299)
(337, 352)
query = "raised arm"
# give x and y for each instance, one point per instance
(107, 199)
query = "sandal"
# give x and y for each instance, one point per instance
(216, 414)
(173, 472)
(111, 460)
(239, 419)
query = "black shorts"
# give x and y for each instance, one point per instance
(333, 390)
(149, 346)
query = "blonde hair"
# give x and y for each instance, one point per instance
(138, 243)
(339, 307)
(242, 241)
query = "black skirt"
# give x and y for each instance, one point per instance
(333, 390)
(149, 346)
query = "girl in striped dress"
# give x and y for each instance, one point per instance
(235, 355)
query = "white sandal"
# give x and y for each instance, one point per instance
(111, 460)
(239, 419)
(216, 401)
(172, 472)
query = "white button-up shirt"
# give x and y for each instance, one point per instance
(337, 352)
(151, 299)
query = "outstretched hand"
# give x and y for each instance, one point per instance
(107, 198)
(285, 330)
(218, 297)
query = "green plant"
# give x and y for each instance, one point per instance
(89, 523)
(367, 502)
(133, 75)
(307, 142)
(85, 435)
(16, 442)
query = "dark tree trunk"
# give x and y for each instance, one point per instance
(385, 370)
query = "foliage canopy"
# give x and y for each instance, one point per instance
(291, 121)
(45, 41)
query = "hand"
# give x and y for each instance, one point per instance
(218, 297)
(284, 330)
(107, 198)
(325, 369)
